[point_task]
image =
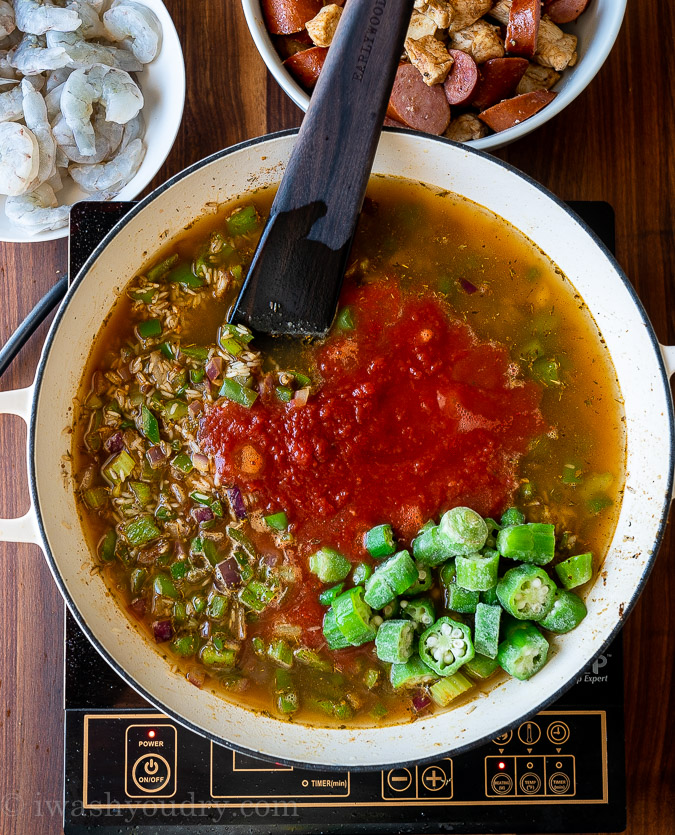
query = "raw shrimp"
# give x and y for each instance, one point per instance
(19, 158)
(6, 69)
(132, 130)
(11, 105)
(126, 19)
(31, 58)
(84, 54)
(7, 24)
(53, 102)
(36, 18)
(37, 211)
(113, 88)
(57, 77)
(109, 178)
(92, 26)
(35, 116)
(108, 136)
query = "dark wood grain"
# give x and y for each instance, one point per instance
(614, 143)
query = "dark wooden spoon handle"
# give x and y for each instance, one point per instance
(295, 277)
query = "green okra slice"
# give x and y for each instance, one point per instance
(532, 543)
(465, 530)
(361, 573)
(421, 612)
(379, 542)
(526, 592)
(352, 616)
(430, 547)
(489, 596)
(575, 571)
(449, 688)
(478, 572)
(425, 580)
(327, 596)
(523, 652)
(390, 578)
(329, 565)
(486, 629)
(446, 645)
(331, 632)
(411, 674)
(456, 598)
(512, 516)
(566, 614)
(481, 666)
(394, 641)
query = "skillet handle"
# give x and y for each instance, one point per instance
(23, 528)
(668, 354)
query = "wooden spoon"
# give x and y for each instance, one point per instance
(294, 280)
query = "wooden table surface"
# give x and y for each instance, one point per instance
(614, 143)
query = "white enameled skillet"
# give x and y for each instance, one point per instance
(643, 368)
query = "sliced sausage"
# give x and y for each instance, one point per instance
(462, 78)
(415, 104)
(392, 123)
(513, 111)
(307, 65)
(288, 45)
(285, 17)
(564, 11)
(523, 28)
(499, 77)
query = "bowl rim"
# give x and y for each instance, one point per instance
(170, 42)
(591, 63)
(62, 584)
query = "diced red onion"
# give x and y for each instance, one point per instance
(124, 373)
(138, 607)
(214, 368)
(196, 677)
(271, 560)
(301, 396)
(228, 573)
(115, 443)
(195, 408)
(200, 462)
(467, 286)
(156, 456)
(179, 550)
(162, 630)
(421, 701)
(205, 630)
(202, 514)
(236, 502)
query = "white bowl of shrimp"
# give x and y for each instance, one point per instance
(91, 99)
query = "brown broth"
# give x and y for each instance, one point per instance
(499, 283)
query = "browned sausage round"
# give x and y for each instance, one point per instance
(392, 123)
(285, 17)
(499, 77)
(307, 65)
(513, 111)
(523, 28)
(462, 78)
(417, 105)
(564, 11)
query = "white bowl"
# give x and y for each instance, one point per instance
(162, 83)
(597, 29)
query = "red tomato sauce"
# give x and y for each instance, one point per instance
(414, 415)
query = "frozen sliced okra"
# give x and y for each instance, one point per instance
(353, 617)
(446, 645)
(532, 543)
(421, 612)
(390, 578)
(465, 530)
(411, 674)
(526, 592)
(486, 629)
(478, 572)
(523, 652)
(566, 614)
(394, 641)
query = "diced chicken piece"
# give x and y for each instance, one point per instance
(537, 78)
(481, 40)
(555, 48)
(501, 10)
(430, 57)
(468, 12)
(440, 11)
(321, 28)
(465, 128)
(420, 25)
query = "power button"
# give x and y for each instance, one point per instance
(150, 761)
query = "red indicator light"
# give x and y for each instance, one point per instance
(151, 734)
(501, 766)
